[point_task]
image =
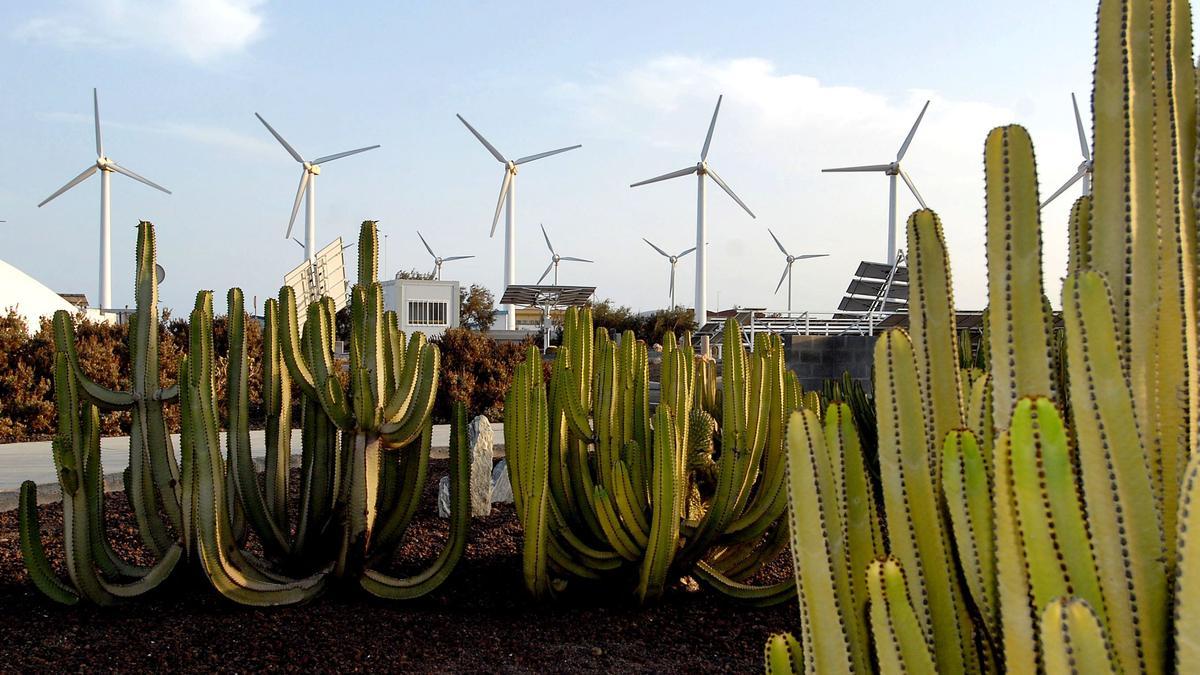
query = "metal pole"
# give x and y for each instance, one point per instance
(789, 287)
(510, 251)
(310, 220)
(701, 256)
(891, 252)
(105, 243)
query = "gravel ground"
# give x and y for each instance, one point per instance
(480, 620)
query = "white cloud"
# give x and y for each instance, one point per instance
(776, 131)
(197, 30)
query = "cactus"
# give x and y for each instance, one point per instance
(1039, 517)
(607, 488)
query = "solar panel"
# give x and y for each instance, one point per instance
(874, 288)
(873, 270)
(531, 295)
(326, 276)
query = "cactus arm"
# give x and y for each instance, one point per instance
(34, 554)
(1073, 640)
(398, 403)
(783, 655)
(1019, 330)
(968, 495)
(64, 342)
(910, 500)
(664, 505)
(431, 578)
(900, 645)
(1187, 581)
(753, 596)
(290, 345)
(1079, 236)
(526, 438)
(277, 401)
(614, 532)
(1120, 498)
(406, 429)
(818, 555)
(932, 322)
(412, 473)
(1018, 616)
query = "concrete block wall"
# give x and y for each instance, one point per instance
(816, 358)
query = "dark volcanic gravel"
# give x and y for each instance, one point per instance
(480, 620)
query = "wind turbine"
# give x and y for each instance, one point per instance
(891, 170)
(308, 187)
(701, 169)
(787, 267)
(106, 167)
(674, 259)
(438, 260)
(508, 189)
(1084, 172)
(555, 258)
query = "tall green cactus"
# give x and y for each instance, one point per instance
(1043, 522)
(606, 487)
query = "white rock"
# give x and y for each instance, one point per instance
(501, 486)
(479, 437)
(444, 497)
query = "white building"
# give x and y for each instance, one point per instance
(428, 306)
(31, 299)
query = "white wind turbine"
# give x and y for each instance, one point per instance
(891, 170)
(438, 260)
(308, 187)
(701, 169)
(787, 268)
(555, 258)
(1084, 171)
(673, 259)
(106, 167)
(508, 189)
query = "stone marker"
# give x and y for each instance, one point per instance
(479, 438)
(501, 487)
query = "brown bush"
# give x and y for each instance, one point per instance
(477, 370)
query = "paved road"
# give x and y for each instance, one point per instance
(32, 461)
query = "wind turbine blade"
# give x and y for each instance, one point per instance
(729, 191)
(548, 268)
(96, 110)
(457, 257)
(330, 158)
(781, 248)
(711, 125)
(540, 155)
(491, 148)
(72, 183)
(685, 252)
(291, 151)
(1074, 179)
(500, 203)
(913, 188)
(547, 237)
(666, 176)
(809, 256)
(786, 267)
(858, 169)
(1083, 144)
(567, 257)
(141, 179)
(304, 175)
(426, 245)
(664, 253)
(298, 242)
(911, 132)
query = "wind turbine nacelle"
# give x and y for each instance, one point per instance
(313, 169)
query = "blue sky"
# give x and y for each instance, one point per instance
(806, 85)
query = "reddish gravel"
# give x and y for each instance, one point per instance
(481, 620)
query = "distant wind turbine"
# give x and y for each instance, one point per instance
(438, 260)
(1084, 171)
(891, 170)
(508, 189)
(106, 167)
(787, 267)
(673, 259)
(555, 258)
(701, 169)
(308, 187)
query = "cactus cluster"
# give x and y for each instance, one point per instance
(609, 488)
(364, 462)
(1037, 517)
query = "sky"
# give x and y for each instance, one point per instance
(806, 86)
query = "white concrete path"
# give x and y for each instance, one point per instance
(32, 461)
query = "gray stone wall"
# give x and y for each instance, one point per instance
(816, 358)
